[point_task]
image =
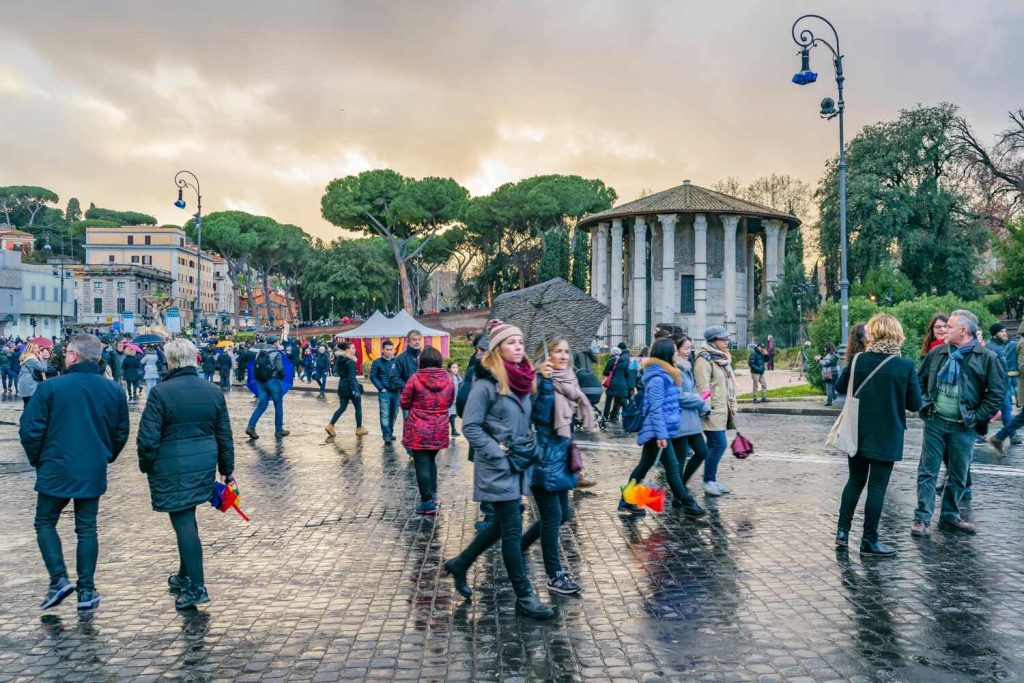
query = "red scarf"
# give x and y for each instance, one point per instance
(520, 377)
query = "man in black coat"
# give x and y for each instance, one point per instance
(224, 362)
(74, 426)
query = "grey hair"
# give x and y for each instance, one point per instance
(968, 319)
(87, 346)
(180, 353)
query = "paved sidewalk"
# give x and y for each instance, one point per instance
(336, 578)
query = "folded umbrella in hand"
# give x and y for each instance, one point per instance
(226, 497)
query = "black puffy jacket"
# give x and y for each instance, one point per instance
(184, 436)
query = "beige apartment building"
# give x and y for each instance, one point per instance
(164, 248)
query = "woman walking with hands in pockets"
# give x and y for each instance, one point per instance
(887, 387)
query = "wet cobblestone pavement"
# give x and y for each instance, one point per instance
(336, 578)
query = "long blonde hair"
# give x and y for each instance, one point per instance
(495, 364)
(31, 351)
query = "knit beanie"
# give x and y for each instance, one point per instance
(996, 329)
(497, 332)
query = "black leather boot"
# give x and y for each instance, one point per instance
(842, 538)
(876, 549)
(530, 606)
(458, 574)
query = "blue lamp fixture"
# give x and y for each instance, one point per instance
(183, 179)
(181, 202)
(805, 76)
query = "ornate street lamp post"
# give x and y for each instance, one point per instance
(829, 110)
(181, 180)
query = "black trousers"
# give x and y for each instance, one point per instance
(48, 511)
(669, 461)
(875, 475)
(554, 512)
(508, 528)
(612, 406)
(695, 443)
(426, 473)
(343, 402)
(190, 548)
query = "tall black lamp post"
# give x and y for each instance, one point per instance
(181, 179)
(829, 110)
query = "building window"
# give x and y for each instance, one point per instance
(686, 301)
(131, 239)
(110, 258)
(147, 260)
(33, 296)
(191, 263)
(149, 240)
(181, 241)
(97, 305)
(190, 279)
(56, 296)
(97, 285)
(120, 285)
(138, 306)
(135, 259)
(120, 305)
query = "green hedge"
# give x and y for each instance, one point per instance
(913, 315)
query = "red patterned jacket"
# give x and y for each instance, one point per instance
(427, 396)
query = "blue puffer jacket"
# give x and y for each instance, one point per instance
(661, 401)
(552, 472)
(691, 405)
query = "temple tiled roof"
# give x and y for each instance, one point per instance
(689, 198)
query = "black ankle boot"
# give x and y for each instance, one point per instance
(458, 574)
(842, 538)
(530, 606)
(876, 549)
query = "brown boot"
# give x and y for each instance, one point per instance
(361, 432)
(330, 430)
(997, 444)
(584, 483)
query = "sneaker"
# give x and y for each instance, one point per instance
(919, 529)
(561, 583)
(361, 431)
(958, 525)
(176, 583)
(251, 432)
(191, 597)
(712, 488)
(631, 509)
(722, 487)
(427, 507)
(764, 400)
(56, 593)
(282, 433)
(331, 431)
(88, 598)
(997, 444)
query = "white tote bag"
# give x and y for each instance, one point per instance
(843, 435)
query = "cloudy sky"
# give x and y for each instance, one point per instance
(267, 101)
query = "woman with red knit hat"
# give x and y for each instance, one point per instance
(497, 419)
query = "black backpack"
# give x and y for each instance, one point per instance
(263, 368)
(633, 413)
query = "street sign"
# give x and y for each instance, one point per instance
(173, 320)
(128, 322)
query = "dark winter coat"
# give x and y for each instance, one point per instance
(348, 383)
(385, 375)
(884, 403)
(74, 426)
(661, 408)
(552, 472)
(223, 362)
(617, 367)
(756, 362)
(408, 364)
(116, 364)
(427, 396)
(131, 368)
(488, 422)
(209, 361)
(184, 435)
(982, 383)
(323, 363)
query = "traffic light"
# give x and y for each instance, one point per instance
(32, 321)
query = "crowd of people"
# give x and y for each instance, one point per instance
(520, 415)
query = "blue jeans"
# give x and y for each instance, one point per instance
(269, 391)
(942, 436)
(48, 511)
(208, 376)
(343, 402)
(388, 401)
(1009, 430)
(1007, 416)
(321, 379)
(716, 448)
(10, 379)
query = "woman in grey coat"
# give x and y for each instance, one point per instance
(497, 413)
(33, 370)
(150, 369)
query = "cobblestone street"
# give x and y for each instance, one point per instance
(335, 577)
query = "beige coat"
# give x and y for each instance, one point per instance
(723, 408)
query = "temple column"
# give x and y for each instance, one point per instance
(771, 255)
(730, 223)
(668, 267)
(751, 289)
(601, 273)
(782, 251)
(700, 274)
(638, 307)
(616, 282)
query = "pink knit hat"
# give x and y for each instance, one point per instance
(498, 332)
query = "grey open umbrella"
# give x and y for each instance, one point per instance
(551, 309)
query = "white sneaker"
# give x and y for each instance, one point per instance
(711, 488)
(722, 487)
